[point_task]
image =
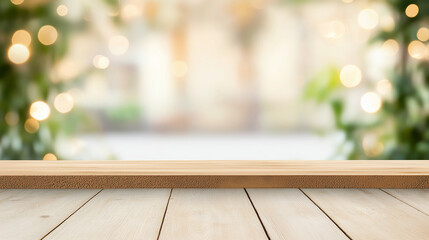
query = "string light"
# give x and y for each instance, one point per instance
(368, 19)
(16, 2)
(39, 110)
(118, 45)
(384, 87)
(417, 49)
(391, 46)
(350, 76)
(412, 10)
(334, 30)
(371, 145)
(101, 62)
(47, 35)
(370, 102)
(21, 37)
(179, 69)
(64, 102)
(387, 23)
(18, 53)
(62, 10)
(50, 157)
(11, 118)
(423, 34)
(31, 125)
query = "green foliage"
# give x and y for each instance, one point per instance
(401, 124)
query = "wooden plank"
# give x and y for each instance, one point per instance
(289, 214)
(117, 214)
(418, 198)
(371, 214)
(214, 174)
(211, 214)
(30, 214)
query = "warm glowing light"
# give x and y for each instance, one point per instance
(66, 70)
(350, 76)
(417, 49)
(130, 11)
(31, 125)
(21, 37)
(11, 118)
(384, 87)
(101, 62)
(347, 1)
(368, 19)
(62, 10)
(179, 69)
(47, 35)
(371, 145)
(412, 10)
(63, 102)
(39, 110)
(18, 53)
(387, 23)
(50, 157)
(118, 45)
(370, 102)
(17, 2)
(334, 30)
(423, 34)
(391, 47)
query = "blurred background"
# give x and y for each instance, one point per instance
(224, 79)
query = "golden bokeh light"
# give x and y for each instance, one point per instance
(16, 2)
(130, 11)
(39, 110)
(64, 102)
(50, 157)
(21, 37)
(370, 102)
(65, 70)
(371, 145)
(11, 118)
(417, 49)
(391, 47)
(368, 19)
(412, 10)
(118, 45)
(31, 125)
(387, 23)
(384, 87)
(62, 10)
(333, 30)
(423, 34)
(347, 1)
(18, 53)
(179, 69)
(350, 76)
(47, 35)
(101, 62)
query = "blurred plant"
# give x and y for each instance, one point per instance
(397, 128)
(35, 37)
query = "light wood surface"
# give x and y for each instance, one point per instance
(289, 214)
(418, 198)
(214, 174)
(117, 214)
(211, 214)
(371, 214)
(30, 214)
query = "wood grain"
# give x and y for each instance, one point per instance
(117, 214)
(30, 214)
(214, 174)
(289, 214)
(418, 198)
(211, 214)
(371, 214)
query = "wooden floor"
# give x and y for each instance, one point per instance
(214, 214)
